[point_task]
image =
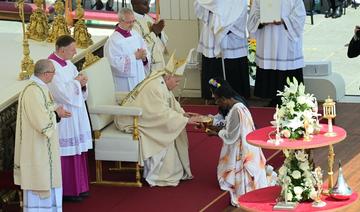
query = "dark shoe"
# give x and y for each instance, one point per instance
(72, 198)
(338, 12)
(85, 194)
(329, 13)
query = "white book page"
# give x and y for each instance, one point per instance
(270, 11)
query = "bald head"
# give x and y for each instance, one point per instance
(43, 66)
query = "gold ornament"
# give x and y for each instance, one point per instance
(90, 59)
(38, 28)
(81, 34)
(27, 64)
(329, 114)
(59, 26)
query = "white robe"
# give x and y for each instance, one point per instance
(277, 47)
(241, 166)
(34, 203)
(127, 71)
(163, 139)
(155, 44)
(74, 132)
(216, 42)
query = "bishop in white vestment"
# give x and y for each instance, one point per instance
(279, 52)
(69, 90)
(127, 53)
(37, 166)
(152, 32)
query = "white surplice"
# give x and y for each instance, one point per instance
(279, 47)
(74, 132)
(120, 51)
(215, 39)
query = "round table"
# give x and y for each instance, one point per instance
(264, 200)
(261, 136)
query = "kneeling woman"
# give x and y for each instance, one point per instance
(241, 166)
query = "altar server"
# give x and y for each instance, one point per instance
(279, 49)
(152, 32)
(37, 153)
(241, 166)
(223, 37)
(69, 89)
(163, 138)
(127, 54)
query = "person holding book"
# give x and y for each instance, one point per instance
(279, 48)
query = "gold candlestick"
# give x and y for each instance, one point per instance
(330, 113)
(27, 64)
(38, 28)
(81, 34)
(59, 26)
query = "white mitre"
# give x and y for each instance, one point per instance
(177, 67)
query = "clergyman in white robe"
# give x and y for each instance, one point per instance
(223, 36)
(74, 132)
(119, 49)
(37, 166)
(279, 49)
(156, 44)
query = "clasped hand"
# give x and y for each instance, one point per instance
(82, 79)
(140, 54)
(62, 112)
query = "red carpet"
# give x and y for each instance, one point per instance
(200, 193)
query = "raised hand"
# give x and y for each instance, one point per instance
(158, 27)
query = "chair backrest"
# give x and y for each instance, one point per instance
(101, 91)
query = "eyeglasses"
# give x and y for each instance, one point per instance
(129, 21)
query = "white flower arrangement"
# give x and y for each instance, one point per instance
(295, 177)
(298, 113)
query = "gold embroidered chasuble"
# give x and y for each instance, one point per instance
(37, 159)
(162, 132)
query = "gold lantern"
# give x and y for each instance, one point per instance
(329, 114)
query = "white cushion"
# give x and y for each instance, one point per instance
(101, 91)
(113, 145)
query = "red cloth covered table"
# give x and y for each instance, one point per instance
(259, 138)
(264, 200)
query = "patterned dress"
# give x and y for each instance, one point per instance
(241, 166)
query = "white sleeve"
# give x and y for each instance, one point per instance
(254, 18)
(66, 92)
(120, 62)
(232, 129)
(295, 20)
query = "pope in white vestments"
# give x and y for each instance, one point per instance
(163, 139)
(37, 166)
(152, 32)
(127, 53)
(69, 89)
(279, 52)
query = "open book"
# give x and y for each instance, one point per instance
(270, 11)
